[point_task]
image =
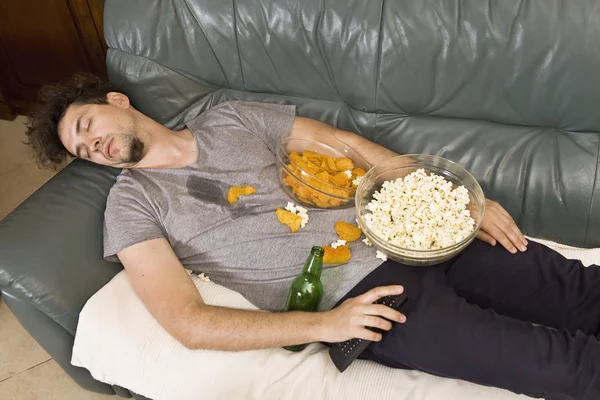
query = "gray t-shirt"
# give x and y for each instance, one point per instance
(241, 246)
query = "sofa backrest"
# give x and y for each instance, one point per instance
(516, 62)
(507, 88)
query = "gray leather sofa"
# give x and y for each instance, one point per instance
(508, 88)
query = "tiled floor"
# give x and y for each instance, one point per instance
(26, 371)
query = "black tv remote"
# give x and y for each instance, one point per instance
(343, 353)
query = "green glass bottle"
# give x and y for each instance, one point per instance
(306, 290)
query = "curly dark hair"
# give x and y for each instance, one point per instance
(42, 127)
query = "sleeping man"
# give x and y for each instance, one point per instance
(504, 312)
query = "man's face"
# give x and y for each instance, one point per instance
(106, 134)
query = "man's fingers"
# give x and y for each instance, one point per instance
(367, 334)
(384, 311)
(511, 230)
(377, 322)
(486, 238)
(521, 238)
(499, 235)
(512, 226)
(522, 241)
(379, 292)
(517, 238)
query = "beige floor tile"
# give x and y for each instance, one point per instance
(18, 184)
(45, 382)
(18, 350)
(13, 152)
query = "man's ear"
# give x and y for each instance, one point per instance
(118, 99)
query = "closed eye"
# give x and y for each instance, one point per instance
(79, 152)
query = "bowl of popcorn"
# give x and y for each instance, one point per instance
(419, 209)
(319, 174)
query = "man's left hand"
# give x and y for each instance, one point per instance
(498, 226)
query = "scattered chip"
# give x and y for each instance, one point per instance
(293, 221)
(237, 191)
(347, 232)
(299, 211)
(339, 255)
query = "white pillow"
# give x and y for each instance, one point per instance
(120, 343)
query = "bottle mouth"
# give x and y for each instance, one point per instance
(317, 250)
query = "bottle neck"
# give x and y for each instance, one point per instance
(313, 266)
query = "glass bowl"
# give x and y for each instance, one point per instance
(306, 188)
(399, 167)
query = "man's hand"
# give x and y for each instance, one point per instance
(350, 319)
(498, 226)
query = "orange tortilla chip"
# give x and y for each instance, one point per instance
(347, 232)
(340, 179)
(237, 191)
(339, 255)
(331, 164)
(294, 156)
(290, 181)
(292, 220)
(344, 164)
(311, 168)
(311, 154)
(324, 176)
(320, 203)
(335, 203)
(358, 172)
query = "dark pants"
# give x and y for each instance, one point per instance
(528, 322)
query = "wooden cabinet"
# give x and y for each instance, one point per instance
(46, 41)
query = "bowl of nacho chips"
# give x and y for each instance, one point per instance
(320, 174)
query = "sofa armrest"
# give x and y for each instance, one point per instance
(51, 245)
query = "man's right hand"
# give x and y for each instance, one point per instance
(350, 319)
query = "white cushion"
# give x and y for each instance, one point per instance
(120, 343)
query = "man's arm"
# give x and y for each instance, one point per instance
(167, 291)
(497, 225)
(307, 128)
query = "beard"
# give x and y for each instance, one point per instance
(134, 149)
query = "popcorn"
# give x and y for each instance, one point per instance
(337, 244)
(203, 277)
(358, 180)
(299, 211)
(348, 173)
(367, 242)
(420, 211)
(381, 255)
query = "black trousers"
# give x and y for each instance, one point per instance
(527, 322)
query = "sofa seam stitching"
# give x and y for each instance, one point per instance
(378, 75)
(589, 218)
(208, 42)
(179, 72)
(237, 43)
